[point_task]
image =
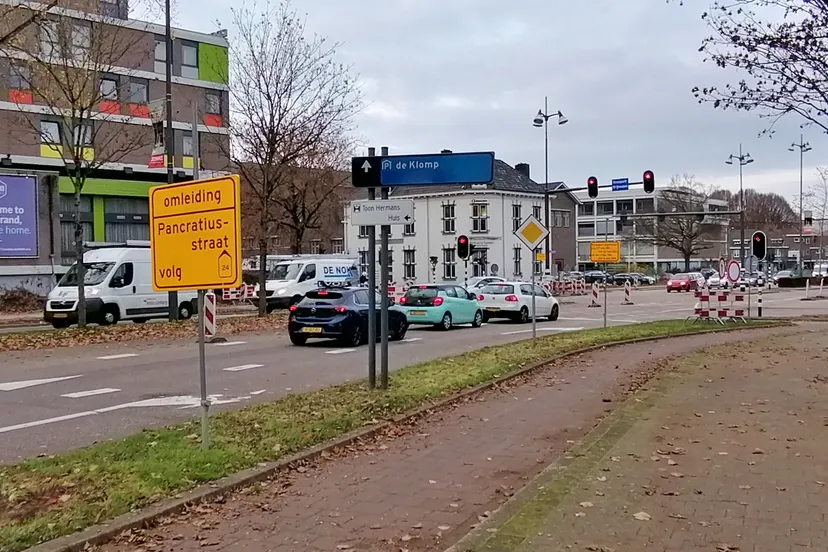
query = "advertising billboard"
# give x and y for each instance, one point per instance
(18, 216)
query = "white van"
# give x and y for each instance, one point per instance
(289, 281)
(118, 287)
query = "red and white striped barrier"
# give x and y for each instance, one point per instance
(209, 316)
(594, 299)
(723, 310)
(627, 294)
(242, 293)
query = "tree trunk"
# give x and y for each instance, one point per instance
(687, 263)
(298, 236)
(263, 276)
(81, 268)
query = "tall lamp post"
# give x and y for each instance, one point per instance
(743, 159)
(542, 120)
(803, 147)
(169, 136)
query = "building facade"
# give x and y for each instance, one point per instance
(120, 135)
(426, 249)
(596, 221)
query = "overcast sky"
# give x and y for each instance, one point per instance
(469, 75)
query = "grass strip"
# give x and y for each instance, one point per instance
(45, 498)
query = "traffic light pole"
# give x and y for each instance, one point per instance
(384, 277)
(372, 294)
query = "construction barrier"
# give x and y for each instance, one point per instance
(242, 293)
(724, 311)
(209, 316)
(627, 294)
(594, 300)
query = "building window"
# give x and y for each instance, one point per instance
(408, 229)
(126, 218)
(624, 206)
(449, 263)
(480, 217)
(19, 77)
(363, 262)
(410, 264)
(187, 143)
(537, 266)
(109, 89)
(83, 134)
(67, 223)
(566, 221)
(81, 40)
(796, 240)
(807, 241)
(558, 220)
(316, 247)
(606, 208)
(363, 232)
(212, 103)
(138, 91)
(604, 227)
(586, 229)
(49, 38)
(586, 209)
(110, 8)
(160, 56)
(583, 250)
(189, 61)
(449, 220)
(337, 246)
(537, 211)
(50, 133)
(646, 205)
(480, 262)
(516, 218)
(517, 269)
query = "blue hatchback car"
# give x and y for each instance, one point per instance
(441, 306)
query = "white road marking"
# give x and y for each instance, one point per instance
(181, 401)
(581, 319)
(543, 330)
(90, 393)
(15, 385)
(340, 351)
(116, 357)
(243, 367)
(229, 343)
(259, 392)
(412, 339)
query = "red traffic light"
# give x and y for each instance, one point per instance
(649, 182)
(462, 239)
(592, 181)
(592, 186)
(757, 238)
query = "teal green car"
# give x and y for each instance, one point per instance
(441, 306)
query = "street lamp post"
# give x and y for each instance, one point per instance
(803, 147)
(542, 120)
(743, 159)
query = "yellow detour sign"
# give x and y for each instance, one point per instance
(540, 257)
(605, 252)
(195, 235)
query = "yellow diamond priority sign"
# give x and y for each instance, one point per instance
(531, 232)
(195, 235)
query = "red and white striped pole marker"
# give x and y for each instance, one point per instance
(594, 300)
(627, 292)
(209, 316)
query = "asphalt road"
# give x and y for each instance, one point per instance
(54, 400)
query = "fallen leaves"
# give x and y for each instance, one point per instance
(642, 516)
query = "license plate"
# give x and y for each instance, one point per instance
(493, 309)
(61, 315)
(418, 313)
(311, 330)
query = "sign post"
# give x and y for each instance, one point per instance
(532, 233)
(606, 252)
(196, 244)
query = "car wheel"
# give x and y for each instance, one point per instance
(478, 320)
(554, 314)
(185, 311)
(485, 318)
(355, 339)
(445, 323)
(297, 339)
(523, 316)
(109, 316)
(399, 333)
(60, 325)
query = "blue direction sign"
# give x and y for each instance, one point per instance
(413, 170)
(620, 184)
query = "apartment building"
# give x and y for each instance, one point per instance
(426, 249)
(96, 44)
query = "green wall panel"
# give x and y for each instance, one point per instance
(102, 186)
(98, 233)
(212, 63)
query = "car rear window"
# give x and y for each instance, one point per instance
(681, 277)
(422, 292)
(324, 296)
(498, 289)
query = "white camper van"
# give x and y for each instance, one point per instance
(118, 282)
(288, 281)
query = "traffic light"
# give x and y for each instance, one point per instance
(760, 245)
(463, 248)
(649, 182)
(592, 186)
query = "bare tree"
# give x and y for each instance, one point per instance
(292, 105)
(688, 234)
(78, 72)
(15, 21)
(816, 199)
(780, 50)
(762, 210)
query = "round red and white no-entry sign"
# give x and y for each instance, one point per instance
(734, 271)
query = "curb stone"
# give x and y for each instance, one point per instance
(104, 532)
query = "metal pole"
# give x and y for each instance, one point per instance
(606, 280)
(372, 294)
(546, 205)
(466, 273)
(202, 374)
(169, 136)
(741, 210)
(534, 318)
(196, 150)
(801, 212)
(384, 277)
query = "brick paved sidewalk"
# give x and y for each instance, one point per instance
(425, 487)
(726, 453)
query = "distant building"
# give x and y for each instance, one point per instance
(487, 213)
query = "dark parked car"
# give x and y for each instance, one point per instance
(340, 314)
(620, 279)
(595, 276)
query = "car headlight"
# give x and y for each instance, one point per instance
(90, 292)
(281, 291)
